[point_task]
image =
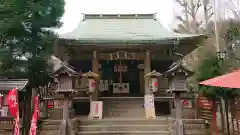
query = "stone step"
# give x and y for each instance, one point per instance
(125, 105)
(124, 109)
(123, 128)
(127, 121)
(124, 132)
(195, 132)
(119, 101)
(121, 113)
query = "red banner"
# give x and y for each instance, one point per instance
(35, 118)
(12, 102)
(13, 107)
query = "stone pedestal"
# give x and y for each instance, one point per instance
(57, 114)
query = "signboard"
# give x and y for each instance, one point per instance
(187, 104)
(205, 106)
(120, 87)
(149, 107)
(96, 109)
(120, 68)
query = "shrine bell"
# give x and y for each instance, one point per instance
(152, 77)
(92, 81)
(65, 77)
(177, 77)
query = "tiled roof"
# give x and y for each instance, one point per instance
(63, 66)
(142, 28)
(8, 84)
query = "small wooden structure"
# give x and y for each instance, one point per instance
(6, 119)
(177, 75)
(65, 76)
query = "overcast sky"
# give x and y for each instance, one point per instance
(75, 8)
(166, 10)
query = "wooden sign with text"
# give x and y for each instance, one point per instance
(205, 108)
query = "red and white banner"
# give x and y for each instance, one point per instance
(17, 125)
(14, 108)
(35, 118)
(96, 109)
(1, 100)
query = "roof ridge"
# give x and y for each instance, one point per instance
(120, 16)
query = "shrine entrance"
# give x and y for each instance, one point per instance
(124, 77)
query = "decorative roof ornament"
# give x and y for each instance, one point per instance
(90, 74)
(178, 67)
(154, 73)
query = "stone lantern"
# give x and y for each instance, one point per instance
(153, 81)
(177, 77)
(92, 79)
(65, 77)
(152, 86)
(92, 86)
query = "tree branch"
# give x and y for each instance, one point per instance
(210, 15)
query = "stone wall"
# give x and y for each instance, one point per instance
(57, 114)
(191, 126)
(186, 113)
(6, 125)
(51, 127)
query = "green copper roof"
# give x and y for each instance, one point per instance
(141, 28)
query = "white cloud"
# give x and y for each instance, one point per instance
(75, 8)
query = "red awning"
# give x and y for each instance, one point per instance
(230, 80)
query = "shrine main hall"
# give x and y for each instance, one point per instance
(122, 49)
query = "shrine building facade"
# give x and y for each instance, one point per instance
(121, 49)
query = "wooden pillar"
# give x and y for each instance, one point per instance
(147, 69)
(141, 80)
(95, 67)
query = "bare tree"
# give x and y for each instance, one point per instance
(234, 7)
(190, 24)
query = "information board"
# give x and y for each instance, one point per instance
(205, 106)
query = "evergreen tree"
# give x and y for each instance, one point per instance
(24, 32)
(208, 68)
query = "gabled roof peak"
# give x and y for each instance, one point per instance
(119, 16)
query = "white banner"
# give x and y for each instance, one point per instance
(149, 106)
(96, 109)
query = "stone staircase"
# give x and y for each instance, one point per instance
(124, 126)
(123, 107)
